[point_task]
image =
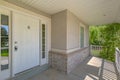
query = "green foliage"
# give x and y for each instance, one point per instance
(95, 35)
(107, 36)
(95, 53)
(4, 53)
(111, 39)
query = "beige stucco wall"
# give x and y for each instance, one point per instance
(66, 32)
(73, 32)
(58, 30)
(73, 29)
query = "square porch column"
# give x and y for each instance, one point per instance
(66, 51)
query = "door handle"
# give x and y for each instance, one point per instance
(15, 48)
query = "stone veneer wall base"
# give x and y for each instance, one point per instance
(66, 62)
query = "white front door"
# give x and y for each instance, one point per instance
(25, 42)
(4, 44)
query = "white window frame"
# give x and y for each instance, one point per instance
(82, 37)
(44, 60)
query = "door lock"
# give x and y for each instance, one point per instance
(15, 48)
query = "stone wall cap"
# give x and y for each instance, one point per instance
(66, 54)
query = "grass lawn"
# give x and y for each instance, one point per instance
(4, 53)
(95, 53)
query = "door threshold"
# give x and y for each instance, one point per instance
(29, 73)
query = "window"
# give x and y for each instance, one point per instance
(43, 40)
(82, 37)
(4, 42)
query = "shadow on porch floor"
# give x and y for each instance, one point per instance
(92, 68)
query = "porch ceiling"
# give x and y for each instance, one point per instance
(92, 12)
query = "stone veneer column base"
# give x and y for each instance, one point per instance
(66, 62)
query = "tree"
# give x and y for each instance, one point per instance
(110, 40)
(95, 35)
(108, 36)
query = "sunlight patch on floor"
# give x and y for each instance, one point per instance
(91, 77)
(96, 62)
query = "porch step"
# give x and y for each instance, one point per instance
(29, 73)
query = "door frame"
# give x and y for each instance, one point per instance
(8, 12)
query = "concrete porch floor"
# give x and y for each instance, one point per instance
(92, 68)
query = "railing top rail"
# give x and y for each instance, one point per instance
(97, 45)
(117, 49)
